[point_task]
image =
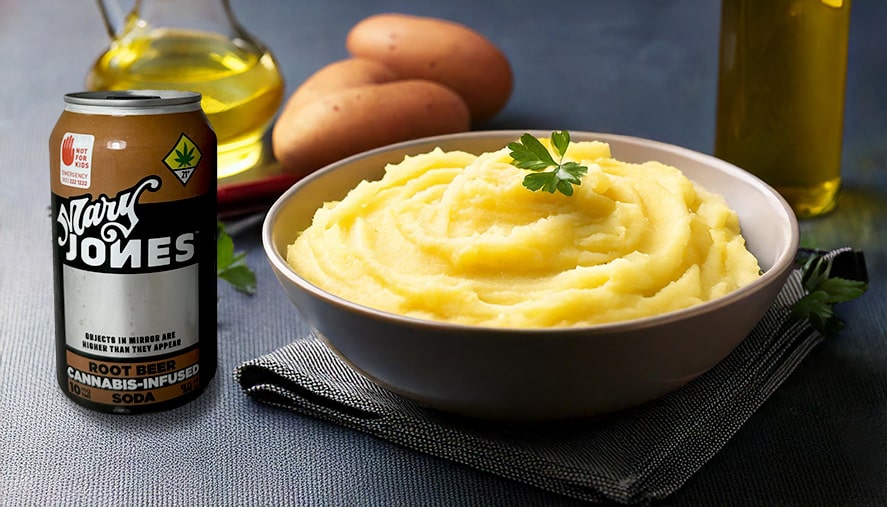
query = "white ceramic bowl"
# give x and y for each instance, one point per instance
(538, 374)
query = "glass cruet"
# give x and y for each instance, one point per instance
(195, 45)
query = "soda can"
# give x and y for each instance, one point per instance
(133, 180)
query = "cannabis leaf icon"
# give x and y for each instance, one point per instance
(184, 157)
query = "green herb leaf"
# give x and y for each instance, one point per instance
(231, 267)
(560, 141)
(824, 291)
(530, 153)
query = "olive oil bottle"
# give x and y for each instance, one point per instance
(780, 102)
(238, 78)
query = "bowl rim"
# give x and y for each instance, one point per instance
(781, 265)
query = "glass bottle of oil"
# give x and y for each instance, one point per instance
(780, 107)
(195, 45)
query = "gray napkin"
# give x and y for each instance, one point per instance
(632, 456)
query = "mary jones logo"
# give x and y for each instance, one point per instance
(76, 160)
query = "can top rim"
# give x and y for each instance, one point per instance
(135, 99)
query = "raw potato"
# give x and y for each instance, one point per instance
(347, 121)
(442, 51)
(339, 75)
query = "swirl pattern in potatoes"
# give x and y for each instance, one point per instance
(455, 237)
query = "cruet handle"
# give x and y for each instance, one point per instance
(114, 15)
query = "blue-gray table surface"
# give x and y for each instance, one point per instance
(641, 68)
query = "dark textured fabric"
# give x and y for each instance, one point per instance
(633, 456)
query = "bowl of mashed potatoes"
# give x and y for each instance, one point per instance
(429, 268)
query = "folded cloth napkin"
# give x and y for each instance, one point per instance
(632, 456)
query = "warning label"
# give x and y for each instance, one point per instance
(183, 158)
(76, 160)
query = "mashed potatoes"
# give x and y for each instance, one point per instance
(455, 237)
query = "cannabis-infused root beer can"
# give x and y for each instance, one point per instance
(133, 177)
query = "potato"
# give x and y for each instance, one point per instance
(344, 122)
(339, 75)
(442, 51)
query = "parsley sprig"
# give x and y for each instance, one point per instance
(230, 266)
(822, 292)
(529, 153)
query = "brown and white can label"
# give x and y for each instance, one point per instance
(133, 178)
